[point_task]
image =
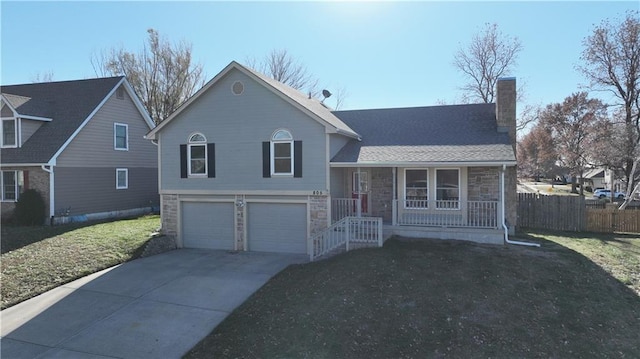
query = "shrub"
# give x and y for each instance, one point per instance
(30, 209)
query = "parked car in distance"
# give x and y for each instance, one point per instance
(602, 193)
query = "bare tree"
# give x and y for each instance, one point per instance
(572, 124)
(283, 67)
(489, 56)
(42, 77)
(611, 62)
(162, 74)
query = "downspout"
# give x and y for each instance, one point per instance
(51, 191)
(503, 217)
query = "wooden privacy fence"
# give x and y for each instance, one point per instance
(613, 220)
(570, 213)
(564, 213)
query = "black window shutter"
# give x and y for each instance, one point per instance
(211, 160)
(266, 159)
(297, 159)
(183, 161)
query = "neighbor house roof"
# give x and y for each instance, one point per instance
(594, 172)
(67, 104)
(451, 134)
(311, 106)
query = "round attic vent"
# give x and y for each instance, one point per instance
(237, 88)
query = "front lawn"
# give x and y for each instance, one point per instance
(430, 298)
(36, 259)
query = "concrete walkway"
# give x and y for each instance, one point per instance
(155, 307)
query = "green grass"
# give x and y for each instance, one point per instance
(37, 259)
(618, 254)
(433, 298)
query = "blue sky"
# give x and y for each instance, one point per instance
(385, 54)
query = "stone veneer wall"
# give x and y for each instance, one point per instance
(318, 213)
(484, 185)
(381, 188)
(38, 180)
(169, 214)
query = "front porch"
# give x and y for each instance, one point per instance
(476, 221)
(446, 203)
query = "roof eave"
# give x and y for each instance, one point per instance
(508, 163)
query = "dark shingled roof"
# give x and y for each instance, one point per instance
(67, 103)
(456, 133)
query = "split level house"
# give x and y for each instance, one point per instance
(81, 145)
(249, 163)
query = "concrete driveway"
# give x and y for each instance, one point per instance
(155, 307)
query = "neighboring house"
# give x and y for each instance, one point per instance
(597, 177)
(248, 163)
(81, 145)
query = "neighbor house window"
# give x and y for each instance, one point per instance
(416, 188)
(448, 189)
(197, 151)
(9, 133)
(121, 136)
(12, 185)
(122, 178)
(282, 153)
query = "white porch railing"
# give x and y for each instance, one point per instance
(474, 214)
(343, 207)
(346, 234)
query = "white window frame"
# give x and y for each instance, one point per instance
(15, 132)
(197, 143)
(273, 158)
(404, 190)
(435, 184)
(115, 136)
(17, 179)
(126, 178)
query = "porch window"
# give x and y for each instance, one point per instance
(448, 189)
(416, 188)
(9, 133)
(12, 185)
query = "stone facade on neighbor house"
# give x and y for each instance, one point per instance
(318, 211)
(37, 179)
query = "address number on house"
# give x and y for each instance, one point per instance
(318, 193)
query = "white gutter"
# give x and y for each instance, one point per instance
(503, 217)
(51, 190)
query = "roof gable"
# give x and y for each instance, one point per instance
(71, 104)
(312, 107)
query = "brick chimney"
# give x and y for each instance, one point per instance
(506, 107)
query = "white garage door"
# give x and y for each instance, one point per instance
(277, 227)
(207, 225)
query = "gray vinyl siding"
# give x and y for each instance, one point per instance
(336, 142)
(238, 124)
(337, 182)
(93, 146)
(93, 189)
(27, 128)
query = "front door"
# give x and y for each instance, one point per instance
(360, 189)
